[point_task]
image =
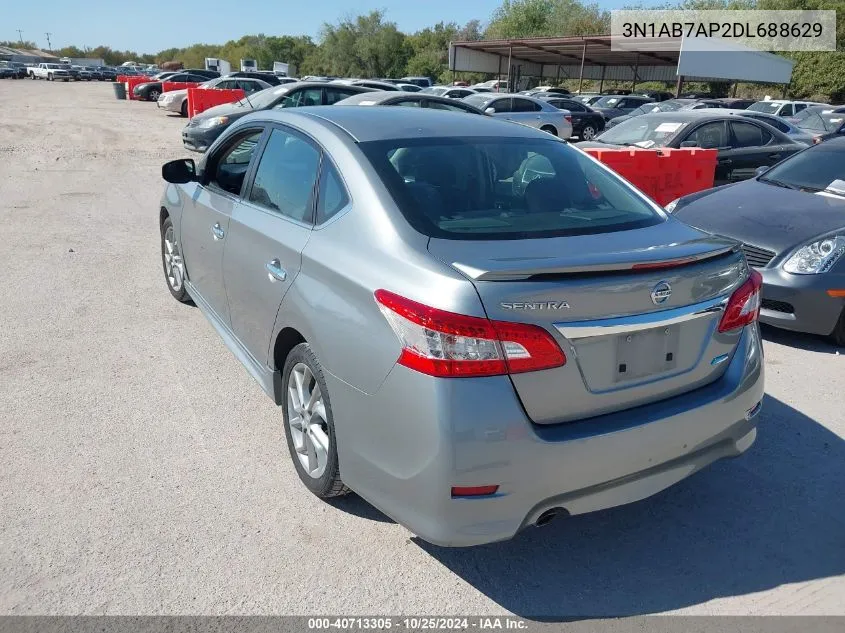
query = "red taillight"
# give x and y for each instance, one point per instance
(744, 305)
(473, 491)
(446, 344)
(568, 118)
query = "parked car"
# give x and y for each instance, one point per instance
(611, 106)
(657, 95)
(792, 226)
(177, 100)
(449, 91)
(107, 74)
(204, 128)
(374, 84)
(586, 122)
(412, 100)
(546, 90)
(268, 78)
(408, 87)
(743, 144)
(7, 72)
(587, 98)
(422, 82)
(494, 85)
(525, 110)
(823, 125)
(210, 74)
(669, 105)
(81, 73)
(50, 72)
(779, 123)
(19, 69)
(472, 325)
(809, 111)
(780, 107)
(151, 90)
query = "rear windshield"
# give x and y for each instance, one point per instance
(769, 107)
(494, 188)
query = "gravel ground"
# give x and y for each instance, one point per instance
(142, 471)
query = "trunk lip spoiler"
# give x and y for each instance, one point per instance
(574, 330)
(633, 266)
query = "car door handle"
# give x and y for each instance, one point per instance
(774, 156)
(275, 270)
(218, 232)
(725, 161)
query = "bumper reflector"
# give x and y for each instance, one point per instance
(473, 491)
(839, 294)
(753, 410)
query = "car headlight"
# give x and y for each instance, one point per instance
(214, 121)
(817, 257)
(671, 206)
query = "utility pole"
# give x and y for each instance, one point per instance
(49, 46)
(20, 36)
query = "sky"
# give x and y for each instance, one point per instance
(149, 26)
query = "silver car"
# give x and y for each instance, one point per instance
(525, 110)
(472, 324)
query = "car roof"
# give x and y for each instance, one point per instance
(377, 98)
(380, 123)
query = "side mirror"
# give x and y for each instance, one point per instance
(179, 172)
(490, 111)
(761, 170)
(689, 144)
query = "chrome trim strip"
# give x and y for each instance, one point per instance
(622, 325)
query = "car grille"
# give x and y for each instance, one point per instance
(756, 256)
(777, 306)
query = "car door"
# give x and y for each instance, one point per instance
(525, 111)
(752, 147)
(268, 230)
(206, 215)
(713, 135)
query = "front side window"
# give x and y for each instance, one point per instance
(511, 188)
(405, 103)
(301, 98)
(709, 136)
(786, 111)
(333, 95)
(437, 105)
(233, 163)
(287, 171)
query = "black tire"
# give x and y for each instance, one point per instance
(180, 294)
(185, 108)
(329, 484)
(838, 334)
(549, 129)
(588, 133)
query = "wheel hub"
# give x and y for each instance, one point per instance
(306, 413)
(174, 266)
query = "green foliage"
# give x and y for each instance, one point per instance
(535, 18)
(17, 44)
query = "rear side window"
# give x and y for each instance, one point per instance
(287, 171)
(746, 134)
(333, 95)
(524, 105)
(512, 188)
(332, 196)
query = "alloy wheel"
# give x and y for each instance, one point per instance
(173, 264)
(306, 413)
(588, 133)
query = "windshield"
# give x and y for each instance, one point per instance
(504, 188)
(816, 169)
(644, 131)
(608, 102)
(820, 122)
(265, 98)
(770, 107)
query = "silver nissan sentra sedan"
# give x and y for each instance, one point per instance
(472, 324)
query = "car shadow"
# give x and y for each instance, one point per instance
(807, 342)
(355, 505)
(771, 517)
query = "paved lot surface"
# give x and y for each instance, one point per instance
(142, 471)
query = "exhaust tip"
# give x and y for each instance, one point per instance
(548, 516)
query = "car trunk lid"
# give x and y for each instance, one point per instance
(636, 312)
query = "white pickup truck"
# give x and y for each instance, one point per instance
(50, 72)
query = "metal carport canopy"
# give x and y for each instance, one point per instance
(592, 57)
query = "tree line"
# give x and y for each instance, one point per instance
(370, 45)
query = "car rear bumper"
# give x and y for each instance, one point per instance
(801, 302)
(404, 447)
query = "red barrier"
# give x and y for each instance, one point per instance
(167, 86)
(201, 99)
(663, 174)
(131, 82)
